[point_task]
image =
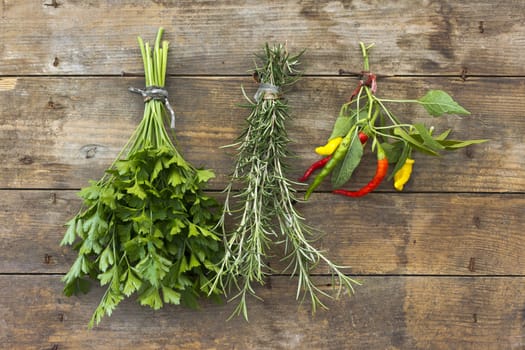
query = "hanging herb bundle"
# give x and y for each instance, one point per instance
(146, 227)
(263, 212)
(366, 116)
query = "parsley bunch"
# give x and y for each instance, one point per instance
(146, 227)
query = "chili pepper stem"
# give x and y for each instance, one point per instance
(364, 50)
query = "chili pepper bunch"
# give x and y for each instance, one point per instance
(366, 117)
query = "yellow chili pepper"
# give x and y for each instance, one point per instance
(402, 176)
(330, 147)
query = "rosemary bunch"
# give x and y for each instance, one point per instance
(264, 210)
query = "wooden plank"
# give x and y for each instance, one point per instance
(434, 37)
(464, 234)
(385, 313)
(60, 132)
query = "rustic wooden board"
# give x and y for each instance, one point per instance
(463, 234)
(432, 37)
(60, 132)
(442, 263)
(385, 313)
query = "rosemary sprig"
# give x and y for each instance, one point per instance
(264, 210)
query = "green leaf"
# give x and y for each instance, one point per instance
(106, 259)
(208, 233)
(175, 178)
(177, 160)
(176, 227)
(414, 142)
(108, 196)
(183, 282)
(189, 299)
(438, 102)
(194, 262)
(170, 296)
(133, 283)
(443, 135)
(90, 245)
(193, 231)
(91, 192)
(342, 126)
(106, 307)
(343, 171)
(428, 140)
(134, 248)
(106, 277)
(455, 144)
(345, 122)
(183, 264)
(153, 268)
(393, 150)
(137, 191)
(95, 226)
(151, 297)
(157, 168)
(77, 286)
(75, 271)
(204, 175)
(70, 235)
(211, 266)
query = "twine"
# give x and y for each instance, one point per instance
(159, 94)
(267, 91)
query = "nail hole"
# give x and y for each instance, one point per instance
(90, 153)
(472, 265)
(54, 105)
(464, 72)
(26, 160)
(481, 27)
(56, 62)
(469, 152)
(53, 3)
(477, 221)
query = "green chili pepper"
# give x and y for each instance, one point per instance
(338, 156)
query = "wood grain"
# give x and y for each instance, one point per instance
(209, 37)
(441, 263)
(60, 132)
(417, 234)
(385, 313)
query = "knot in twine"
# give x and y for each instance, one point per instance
(159, 94)
(371, 82)
(267, 91)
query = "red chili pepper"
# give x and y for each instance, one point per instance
(382, 168)
(319, 164)
(362, 137)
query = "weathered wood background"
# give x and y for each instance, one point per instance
(442, 263)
